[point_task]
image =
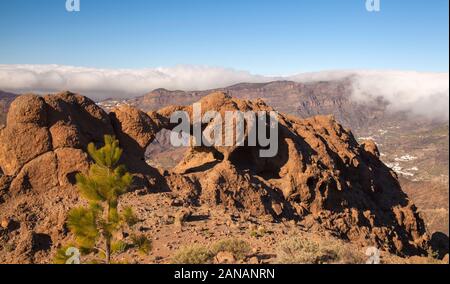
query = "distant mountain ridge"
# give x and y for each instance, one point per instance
(301, 99)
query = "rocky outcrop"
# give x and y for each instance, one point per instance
(41, 150)
(321, 177)
(134, 128)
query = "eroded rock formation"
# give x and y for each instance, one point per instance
(321, 176)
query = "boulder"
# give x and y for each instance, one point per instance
(65, 135)
(20, 143)
(71, 114)
(27, 109)
(70, 162)
(37, 176)
(134, 129)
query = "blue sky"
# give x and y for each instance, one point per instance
(261, 36)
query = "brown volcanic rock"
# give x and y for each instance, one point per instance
(38, 175)
(76, 120)
(397, 133)
(63, 125)
(320, 177)
(20, 143)
(26, 135)
(27, 109)
(221, 103)
(65, 135)
(135, 129)
(70, 161)
(320, 172)
(42, 148)
(371, 147)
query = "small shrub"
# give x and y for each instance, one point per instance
(142, 243)
(239, 248)
(195, 254)
(119, 247)
(304, 250)
(129, 217)
(259, 232)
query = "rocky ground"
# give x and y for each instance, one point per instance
(206, 226)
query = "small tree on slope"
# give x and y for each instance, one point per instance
(94, 226)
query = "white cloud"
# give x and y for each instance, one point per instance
(421, 93)
(105, 83)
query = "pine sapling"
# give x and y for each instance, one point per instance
(94, 226)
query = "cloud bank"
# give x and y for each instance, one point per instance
(420, 93)
(117, 83)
